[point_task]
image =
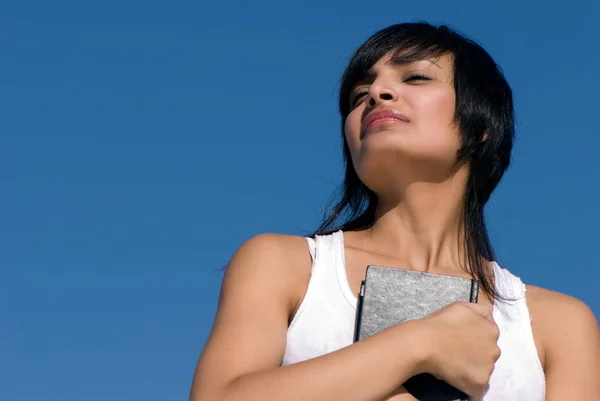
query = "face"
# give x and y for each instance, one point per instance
(402, 123)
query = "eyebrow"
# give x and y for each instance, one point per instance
(398, 61)
(370, 74)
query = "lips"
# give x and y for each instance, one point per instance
(380, 116)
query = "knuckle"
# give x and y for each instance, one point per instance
(494, 331)
(487, 373)
(480, 383)
(496, 334)
(478, 391)
(497, 352)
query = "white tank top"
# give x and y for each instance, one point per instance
(325, 319)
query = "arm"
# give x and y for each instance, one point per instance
(571, 341)
(264, 282)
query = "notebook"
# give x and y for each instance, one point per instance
(389, 296)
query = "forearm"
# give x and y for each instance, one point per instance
(368, 370)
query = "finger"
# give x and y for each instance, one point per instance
(482, 310)
(478, 396)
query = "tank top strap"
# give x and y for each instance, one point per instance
(312, 247)
(322, 251)
(507, 284)
(328, 267)
(514, 308)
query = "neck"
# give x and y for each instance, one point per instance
(422, 225)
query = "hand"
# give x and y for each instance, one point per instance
(462, 346)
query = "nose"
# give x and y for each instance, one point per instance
(379, 93)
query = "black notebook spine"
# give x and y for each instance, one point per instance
(474, 291)
(361, 296)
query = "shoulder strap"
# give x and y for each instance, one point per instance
(312, 248)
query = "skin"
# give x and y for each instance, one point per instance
(411, 166)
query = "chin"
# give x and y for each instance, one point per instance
(395, 155)
(390, 166)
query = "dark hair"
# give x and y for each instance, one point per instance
(484, 114)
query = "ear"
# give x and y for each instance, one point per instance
(485, 137)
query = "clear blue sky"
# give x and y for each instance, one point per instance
(143, 141)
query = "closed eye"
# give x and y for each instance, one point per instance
(417, 78)
(357, 97)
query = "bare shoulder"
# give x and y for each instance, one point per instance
(271, 251)
(568, 332)
(559, 307)
(559, 321)
(271, 261)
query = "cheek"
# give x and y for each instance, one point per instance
(436, 133)
(352, 130)
(440, 107)
(436, 115)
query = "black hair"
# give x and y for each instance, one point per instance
(484, 114)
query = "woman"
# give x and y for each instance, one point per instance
(427, 126)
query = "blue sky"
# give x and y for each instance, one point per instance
(143, 141)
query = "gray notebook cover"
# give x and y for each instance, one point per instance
(390, 296)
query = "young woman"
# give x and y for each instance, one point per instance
(427, 126)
